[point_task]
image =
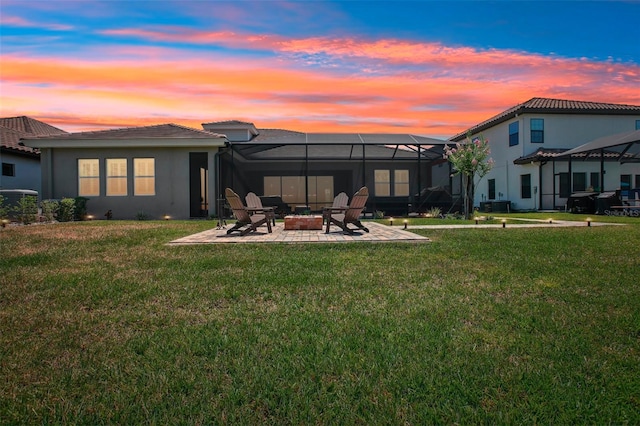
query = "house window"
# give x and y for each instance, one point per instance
(564, 185)
(8, 169)
(637, 124)
(492, 189)
(144, 176)
(625, 184)
(382, 183)
(537, 130)
(525, 186)
(514, 132)
(116, 176)
(88, 177)
(594, 183)
(637, 182)
(579, 182)
(401, 183)
(319, 190)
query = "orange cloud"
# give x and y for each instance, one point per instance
(365, 86)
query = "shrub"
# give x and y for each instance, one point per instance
(27, 209)
(142, 215)
(378, 214)
(4, 210)
(49, 209)
(66, 210)
(80, 211)
(434, 212)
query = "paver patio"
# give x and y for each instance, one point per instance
(378, 233)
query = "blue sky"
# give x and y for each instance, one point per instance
(424, 67)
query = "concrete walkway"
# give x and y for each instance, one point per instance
(378, 233)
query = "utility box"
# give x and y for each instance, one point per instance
(605, 200)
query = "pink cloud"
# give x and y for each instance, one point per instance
(137, 86)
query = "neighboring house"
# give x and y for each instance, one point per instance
(152, 171)
(20, 163)
(527, 144)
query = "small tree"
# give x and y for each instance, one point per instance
(470, 159)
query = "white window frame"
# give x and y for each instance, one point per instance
(90, 180)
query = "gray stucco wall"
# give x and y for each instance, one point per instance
(60, 180)
(27, 172)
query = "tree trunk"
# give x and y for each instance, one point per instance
(468, 187)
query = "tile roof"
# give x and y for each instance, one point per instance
(12, 129)
(551, 106)
(162, 131)
(230, 122)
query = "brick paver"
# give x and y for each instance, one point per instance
(378, 233)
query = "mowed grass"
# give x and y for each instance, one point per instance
(102, 322)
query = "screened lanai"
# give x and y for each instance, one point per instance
(567, 171)
(405, 173)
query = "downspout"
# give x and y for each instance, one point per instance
(570, 177)
(601, 169)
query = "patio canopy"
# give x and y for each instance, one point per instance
(625, 145)
(286, 145)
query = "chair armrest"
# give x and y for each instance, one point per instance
(254, 210)
(335, 209)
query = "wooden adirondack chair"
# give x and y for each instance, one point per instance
(340, 205)
(254, 206)
(351, 215)
(244, 220)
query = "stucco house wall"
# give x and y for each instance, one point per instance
(171, 181)
(171, 147)
(562, 131)
(26, 172)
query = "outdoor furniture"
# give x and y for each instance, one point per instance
(244, 220)
(343, 218)
(254, 206)
(340, 202)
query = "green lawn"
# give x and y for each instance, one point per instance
(101, 322)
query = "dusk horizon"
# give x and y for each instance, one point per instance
(429, 68)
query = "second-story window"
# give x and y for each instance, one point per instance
(537, 130)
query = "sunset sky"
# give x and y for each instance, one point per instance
(430, 68)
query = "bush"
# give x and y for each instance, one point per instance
(142, 215)
(66, 210)
(434, 212)
(49, 209)
(27, 209)
(4, 210)
(80, 208)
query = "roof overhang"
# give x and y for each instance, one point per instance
(627, 143)
(214, 142)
